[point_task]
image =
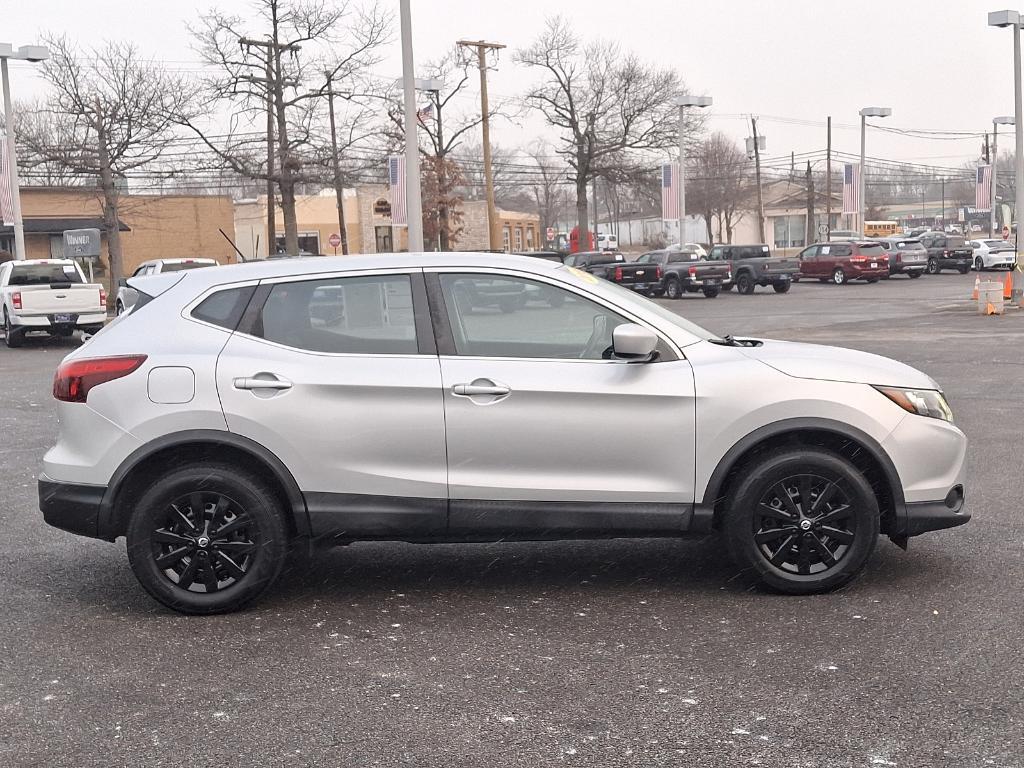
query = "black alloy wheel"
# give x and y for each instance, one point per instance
(781, 286)
(207, 538)
(744, 284)
(933, 266)
(805, 520)
(712, 293)
(915, 274)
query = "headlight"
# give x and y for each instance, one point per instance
(923, 402)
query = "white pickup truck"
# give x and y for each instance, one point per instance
(51, 296)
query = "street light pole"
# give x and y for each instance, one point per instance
(864, 115)
(683, 102)
(413, 198)
(996, 122)
(1013, 19)
(26, 53)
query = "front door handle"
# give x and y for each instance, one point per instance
(469, 390)
(256, 382)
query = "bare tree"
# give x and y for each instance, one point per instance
(604, 102)
(108, 114)
(719, 184)
(281, 59)
(546, 191)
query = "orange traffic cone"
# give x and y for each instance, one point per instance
(1008, 285)
(977, 286)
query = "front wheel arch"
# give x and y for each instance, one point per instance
(847, 441)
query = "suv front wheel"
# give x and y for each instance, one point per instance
(207, 539)
(806, 520)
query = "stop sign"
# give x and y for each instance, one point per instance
(1006, 233)
(334, 240)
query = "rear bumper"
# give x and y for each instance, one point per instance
(924, 516)
(71, 507)
(896, 269)
(45, 322)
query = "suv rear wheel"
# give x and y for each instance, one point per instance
(806, 521)
(781, 286)
(207, 539)
(744, 284)
(838, 276)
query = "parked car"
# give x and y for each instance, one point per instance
(844, 261)
(556, 257)
(907, 256)
(947, 252)
(221, 424)
(49, 296)
(697, 248)
(753, 265)
(126, 296)
(597, 263)
(607, 242)
(671, 273)
(994, 254)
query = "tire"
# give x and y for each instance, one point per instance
(744, 284)
(781, 286)
(838, 276)
(712, 293)
(964, 269)
(13, 338)
(979, 264)
(767, 507)
(246, 559)
(915, 274)
(673, 289)
(933, 267)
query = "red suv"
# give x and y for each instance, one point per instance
(841, 262)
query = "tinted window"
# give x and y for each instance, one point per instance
(717, 253)
(516, 317)
(355, 315)
(841, 250)
(910, 245)
(955, 242)
(43, 274)
(183, 265)
(645, 258)
(223, 308)
(873, 249)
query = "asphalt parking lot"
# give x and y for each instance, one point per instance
(643, 653)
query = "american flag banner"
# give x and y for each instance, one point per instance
(669, 191)
(983, 188)
(851, 188)
(427, 113)
(6, 194)
(397, 180)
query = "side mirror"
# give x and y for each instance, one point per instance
(633, 343)
(122, 282)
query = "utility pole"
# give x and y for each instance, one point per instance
(809, 237)
(413, 194)
(339, 190)
(757, 178)
(275, 112)
(597, 211)
(494, 236)
(828, 180)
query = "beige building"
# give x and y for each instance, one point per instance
(785, 216)
(368, 225)
(152, 226)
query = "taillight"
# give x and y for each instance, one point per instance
(103, 298)
(16, 299)
(945, 253)
(618, 274)
(75, 378)
(693, 271)
(657, 272)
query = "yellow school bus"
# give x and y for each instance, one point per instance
(880, 228)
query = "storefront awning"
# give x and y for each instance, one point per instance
(54, 225)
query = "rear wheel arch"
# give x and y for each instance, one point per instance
(846, 441)
(198, 446)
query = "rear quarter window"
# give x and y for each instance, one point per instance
(224, 308)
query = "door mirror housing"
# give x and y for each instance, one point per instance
(633, 343)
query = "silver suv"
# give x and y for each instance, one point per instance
(240, 410)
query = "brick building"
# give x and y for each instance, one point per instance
(152, 226)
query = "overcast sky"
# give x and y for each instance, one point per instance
(936, 63)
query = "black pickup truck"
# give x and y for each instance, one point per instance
(597, 263)
(671, 273)
(754, 265)
(947, 252)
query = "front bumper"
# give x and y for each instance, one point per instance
(71, 506)
(924, 516)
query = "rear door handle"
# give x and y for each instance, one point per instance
(254, 382)
(469, 390)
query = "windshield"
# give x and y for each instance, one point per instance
(44, 274)
(183, 265)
